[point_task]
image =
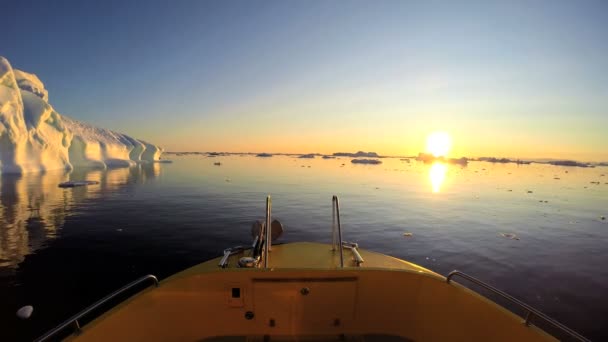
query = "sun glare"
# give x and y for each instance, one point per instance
(438, 144)
(437, 175)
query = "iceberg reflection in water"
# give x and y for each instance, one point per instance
(33, 207)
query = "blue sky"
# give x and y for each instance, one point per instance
(520, 79)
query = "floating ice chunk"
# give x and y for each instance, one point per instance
(366, 161)
(25, 312)
(509, 236)
(72, 184)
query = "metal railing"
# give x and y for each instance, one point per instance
(530, 311)
(73, 321)
(336, 233)
(268, 230)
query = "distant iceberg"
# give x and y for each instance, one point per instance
(366, 161)
(569, 163)
(357, 155)
(34, 137)
(429, 158)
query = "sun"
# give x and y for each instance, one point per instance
(438, 144)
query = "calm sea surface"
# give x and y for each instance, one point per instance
(61, 249)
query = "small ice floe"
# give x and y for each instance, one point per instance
(25, 312)
(73, 184)
(509, 236)
(217, 164)
(366, 161)
(408, 234)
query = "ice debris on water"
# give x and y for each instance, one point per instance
(366, 161)
(73, 184)
(25, 312)
(509, 236)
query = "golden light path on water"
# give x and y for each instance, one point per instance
(437, 174)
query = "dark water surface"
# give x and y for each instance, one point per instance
(62, 249)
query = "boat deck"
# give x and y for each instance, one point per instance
(306, 295)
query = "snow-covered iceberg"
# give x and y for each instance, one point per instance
(34, 137)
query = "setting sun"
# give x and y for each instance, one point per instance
(438, 144)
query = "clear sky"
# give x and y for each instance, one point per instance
(517, 79)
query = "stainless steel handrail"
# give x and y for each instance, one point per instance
(74, 319)
(268, 241)
(335, 216)
(530, 311)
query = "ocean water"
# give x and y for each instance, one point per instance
(62, 249)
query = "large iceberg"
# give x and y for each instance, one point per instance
(34, 137)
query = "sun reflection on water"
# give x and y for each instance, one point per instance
(437, 175)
